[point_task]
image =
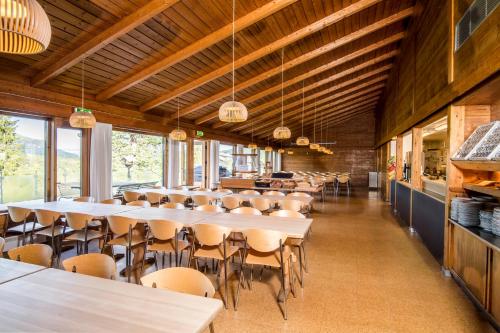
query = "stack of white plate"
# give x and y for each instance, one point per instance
(495, 221)
(485, 217)
(454, 206)
(468, 213)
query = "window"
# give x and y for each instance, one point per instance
(225, 160)
(262, 161)
(137, 159)
(198, 159)
(22, 158)
(69, 162)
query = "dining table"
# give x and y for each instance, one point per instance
(56, 300)
(188, 193)
(97, 210)
(12, 269)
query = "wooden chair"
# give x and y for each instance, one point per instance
(266, 248)
(210, 242)
(122, 235)
(84, 199)
(2, 245)
(177, 198)
(287, 213)
(281, 194)
(202, 189)
(82, 235)
(251, 192)
(112, 202)
(224, 190)
(172, 205)
(54, 231)
(19, 217)
(93, 264)
(299, 194)
(139, 203)
(231, 202)
(290, 204)
(182, 280)
(36, 254)
(260, 203)
(344, 180)
(210, 208)
(130, 196)
(154, 198)
(165, 239)
(246, 211)
(200, 200)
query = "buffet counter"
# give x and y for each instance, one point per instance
(434, 187)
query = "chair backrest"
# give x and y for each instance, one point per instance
(274, 193)
(231, 201)
(2, 244)
(119, 225)
(246, 211)
(46, 217)
(210, 208)
(84, 199)
(200, 199)
(180, 279)
(224, 190)
(299, 194)
(302, 185)
(112, 202)
(154, 197)
(94, 264)
(139, 203)
(287, 213)
(260, 203)
(290, 204)
(172, 205)
(163, 229)
(343, 179)
(210, 234)
(36, 254)
(178, 198)
(202, 189)
(130, 196)
(264, 240)
(252, 192)
(18, 214)
(77, 221)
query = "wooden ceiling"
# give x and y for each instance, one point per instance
(150, 55)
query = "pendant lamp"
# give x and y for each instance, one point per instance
(314, 145)
(290, 152)
(252, 145)
(82, 117)
(282, 132)
(233, 111)
(268, 148)
(281, 151)
(24, 27)
(178, 134)
(302, 140)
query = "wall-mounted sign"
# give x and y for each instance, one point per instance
(199, 133)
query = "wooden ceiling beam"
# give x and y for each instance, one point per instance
(139, 75)
(321, 104)
(257, 54)
(120, 28)
(313, 86)
(276, 70)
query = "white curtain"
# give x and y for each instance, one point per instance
(100, 162)
(277, 162)
(173, 164)
(213, 163)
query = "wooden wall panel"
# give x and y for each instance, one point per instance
(495, 286)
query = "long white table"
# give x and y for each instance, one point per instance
(275, 198)
(11, 269)
(188, 193)
(94, 209)
(56, 300)
(185, 216)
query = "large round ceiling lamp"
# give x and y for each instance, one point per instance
(282, 132)
(178, 134)
(302, 140)
(81, 117)
(233, 111)
(24, 27)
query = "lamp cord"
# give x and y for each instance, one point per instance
(234, 10)
(83, 81)
(302, 108)
(282, 75)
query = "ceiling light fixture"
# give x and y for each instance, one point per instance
(178, 134)
(82, 117)
(282, 132)
(314, 145)
(252, 145)
(302, 140)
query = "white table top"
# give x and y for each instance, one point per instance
(11, 269)
(185, 216)
(94, 209)
(167, 191)
(55, 300)
(247, 197)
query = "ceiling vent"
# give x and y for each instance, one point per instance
(473, 17)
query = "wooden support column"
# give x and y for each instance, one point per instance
(416, 163)
(399, 157)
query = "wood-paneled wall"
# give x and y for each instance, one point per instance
(353, 152)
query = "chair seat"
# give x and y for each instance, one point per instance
(29, 227)
(123, 240)
(294, 241)
(58, 230)
(265, 258)
(167, 246)
(94, 224)
(215, 252)
(79, 235)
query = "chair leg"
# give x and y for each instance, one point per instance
(283, 288)
(241, 281)
(305, 257)
(127, 250)
(301, 268)
(211, 326)
(225, 283)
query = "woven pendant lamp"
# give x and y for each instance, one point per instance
(268, 148)
(82, 117)
(290, 152)
(282, 132)
(233, 111)
(178, 134)
(302, 140)
(314, 145)
(252, 145)
(24, 27)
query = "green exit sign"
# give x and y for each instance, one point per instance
(199, 133)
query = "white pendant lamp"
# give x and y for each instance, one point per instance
(81, 117)
(282, 132)
(178, 134)
(24, 27)
(233, 111)
(314, 145)
(252, 145)
(302, 140)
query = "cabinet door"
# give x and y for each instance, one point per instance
(495, 286)
(469, 261)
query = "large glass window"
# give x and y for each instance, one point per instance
(198, 169)
(137, 159)
(69, 162)
(225, 160)
(22, 158)
(262, 161)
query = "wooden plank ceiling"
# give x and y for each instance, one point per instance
(150, 55)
